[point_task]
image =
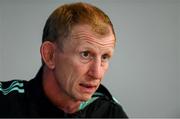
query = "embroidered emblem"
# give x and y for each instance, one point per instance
(14, 86)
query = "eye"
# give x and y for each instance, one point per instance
(85, 55)
(105, 58)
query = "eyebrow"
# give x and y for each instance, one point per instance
(91, 47)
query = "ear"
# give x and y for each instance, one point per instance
(47, 51)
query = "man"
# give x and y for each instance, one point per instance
(77, 44)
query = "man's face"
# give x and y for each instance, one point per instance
(81, 67)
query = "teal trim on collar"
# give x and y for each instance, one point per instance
(15, 86)
(98, 94)
(86, 103)
(114, 99)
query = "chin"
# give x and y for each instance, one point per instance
(85, 98)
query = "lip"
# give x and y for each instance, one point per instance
(87, 88)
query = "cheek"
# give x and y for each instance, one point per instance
(63, 70)
(80, 71)
(69, 69)
(105, 68)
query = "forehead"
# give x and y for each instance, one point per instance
(86, 33)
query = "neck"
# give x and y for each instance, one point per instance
(55, 94)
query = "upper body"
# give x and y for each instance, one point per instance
(78, 42)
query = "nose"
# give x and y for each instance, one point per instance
(96, 70)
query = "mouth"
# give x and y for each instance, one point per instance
(87, 88)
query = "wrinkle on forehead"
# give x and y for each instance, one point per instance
(108, 48)
(89, 39)
(101, 45)
(85, 33)
(108, 45)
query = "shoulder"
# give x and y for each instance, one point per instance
(12, 96)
